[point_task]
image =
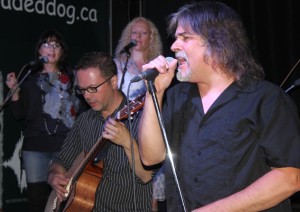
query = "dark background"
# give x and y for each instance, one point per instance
(272, 27)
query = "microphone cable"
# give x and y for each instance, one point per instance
(11, 92)
(131, 148)
(291, 71)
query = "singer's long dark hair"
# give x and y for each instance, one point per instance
(225, 36)
(53, 35)
(62, 64)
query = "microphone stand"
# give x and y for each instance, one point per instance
(128, 54)
(291, 71)
(152, 91)
(13, 91)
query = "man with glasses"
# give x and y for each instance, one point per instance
(124, 185)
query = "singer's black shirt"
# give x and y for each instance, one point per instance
(243, 134)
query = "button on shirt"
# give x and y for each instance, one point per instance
(244, 133)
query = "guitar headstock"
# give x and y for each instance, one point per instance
(134, 106)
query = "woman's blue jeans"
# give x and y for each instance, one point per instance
(36, 165)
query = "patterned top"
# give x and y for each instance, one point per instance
(58, 103)
(49, 107)
(115, 191)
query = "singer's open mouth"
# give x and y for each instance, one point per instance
(180, 60)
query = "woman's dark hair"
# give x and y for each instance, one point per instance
(62, 64)
(53, 35)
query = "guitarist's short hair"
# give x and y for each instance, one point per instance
(100, 60)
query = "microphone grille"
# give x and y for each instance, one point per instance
(44, 59)
(169, 59)
(297, 82)
(134, 42)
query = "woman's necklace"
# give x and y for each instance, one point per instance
(138, 64)
(43, 93)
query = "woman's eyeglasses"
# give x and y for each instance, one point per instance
(49, 45)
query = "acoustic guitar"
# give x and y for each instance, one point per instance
(85, 174)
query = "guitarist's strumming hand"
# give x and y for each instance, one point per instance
(116, 132)
(58, 180)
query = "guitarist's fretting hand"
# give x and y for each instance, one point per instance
(118, 133)
(58, 181)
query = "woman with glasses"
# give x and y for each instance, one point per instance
(46, 101)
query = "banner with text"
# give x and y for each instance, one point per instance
(85, 26)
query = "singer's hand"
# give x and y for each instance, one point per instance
(166, 70)
(11, 80)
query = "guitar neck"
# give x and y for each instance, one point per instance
(134, 106)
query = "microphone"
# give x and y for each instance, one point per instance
(296, 83)
(41, 60)
(128, 46)
(150, 74)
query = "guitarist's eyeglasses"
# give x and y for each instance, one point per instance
(81, 91)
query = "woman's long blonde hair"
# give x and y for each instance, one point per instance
(155, 46)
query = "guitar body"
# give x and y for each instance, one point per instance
(82, 196)
(82, 193)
